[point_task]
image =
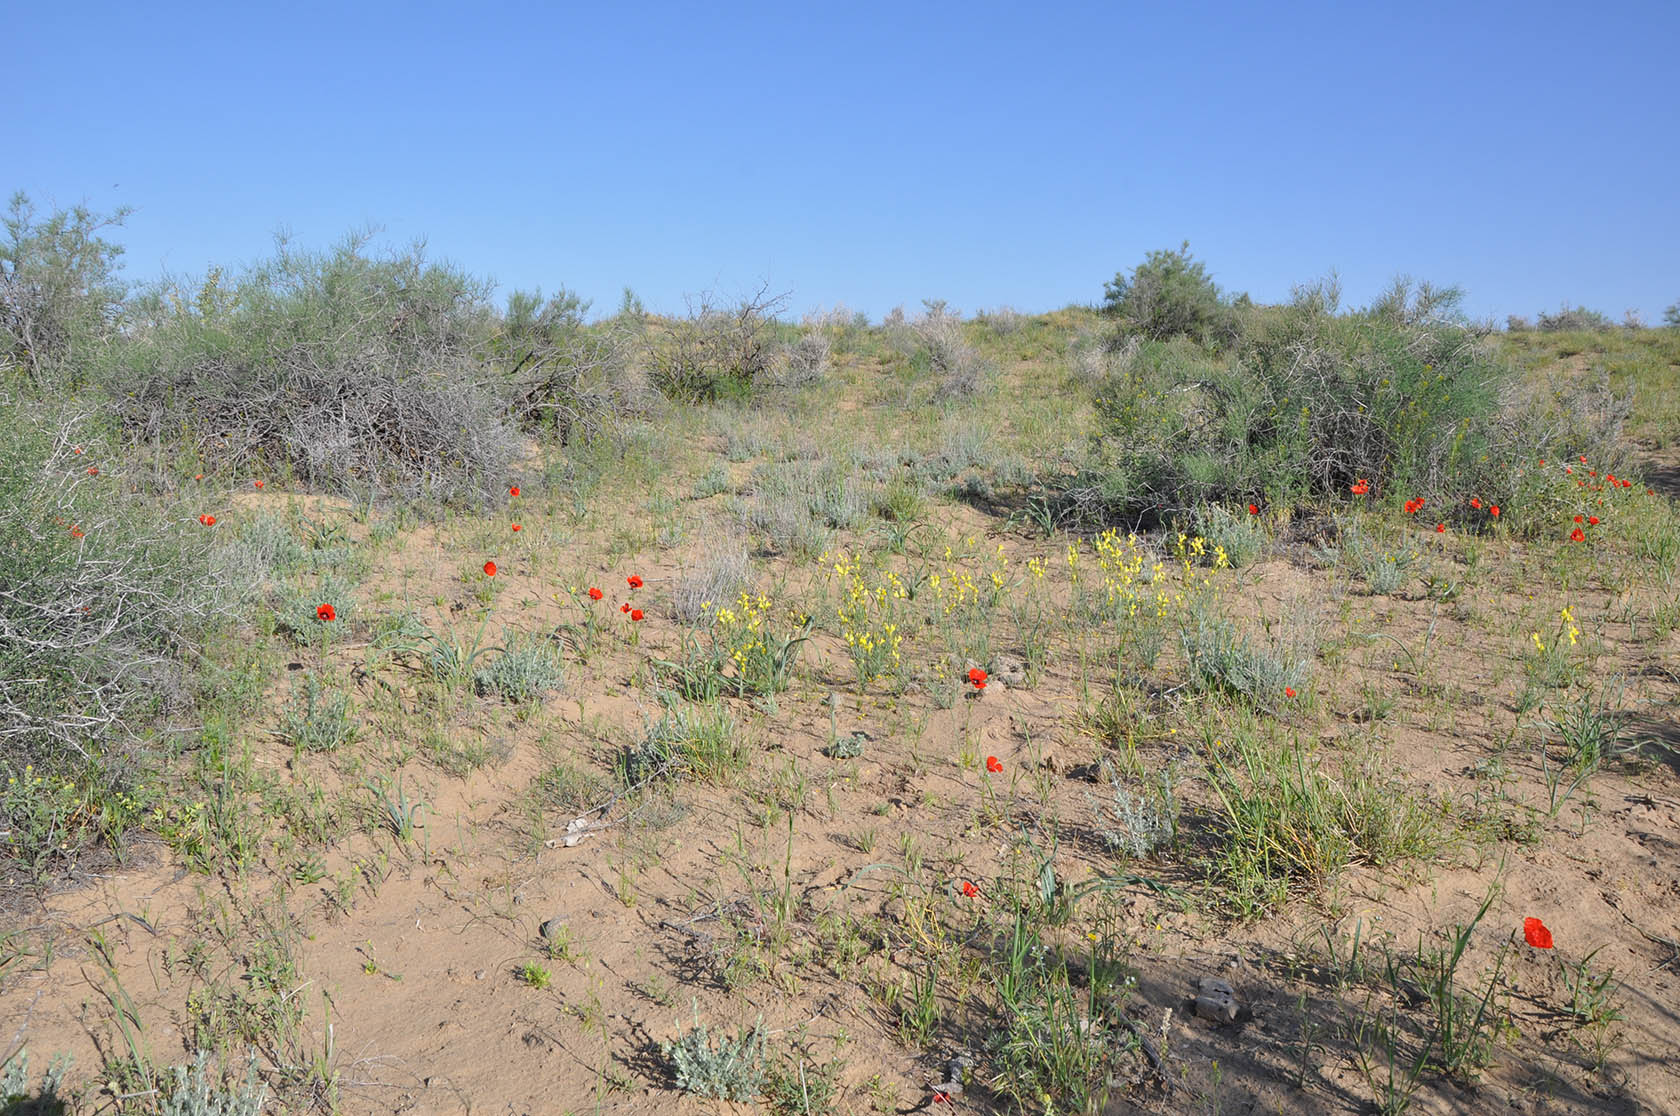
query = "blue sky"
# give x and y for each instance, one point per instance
(878, 155)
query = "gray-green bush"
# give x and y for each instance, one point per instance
(353, 371)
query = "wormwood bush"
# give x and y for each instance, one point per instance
(733, 1069)
(937, 341)
(1221, 658)
(352, 370)
(191, 1092)
(101, 594)
(526, 669)
(794, 505)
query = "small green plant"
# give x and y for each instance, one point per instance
(730, 1069)
(317, 719)
(534, 975)
(398, 813)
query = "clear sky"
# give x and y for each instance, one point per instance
(878, 154)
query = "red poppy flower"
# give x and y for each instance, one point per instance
(636, 615)
(942, 1098)
(76, 532)
(1570, 469)
(1476, 502)
(1542, 461)
(1440, 528)
(1577, 519)
(625, 607)
(1494, 511)
(198, 476)
(1536, 933)
(1360, 487)
(257, 484)
(1289, 691)
(1253, 509)
(1592, 521)
(489, 569)
(634, 581)
(1576, 535)
(207, 520)
(514, 491)
(93, 470)
(1583, 459)
(516, 526)
(969, 889)
(595, 594)
(993, 764)
(326, 613)
(977, 676)
(78, 451)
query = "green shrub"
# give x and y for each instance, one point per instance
(715, 352)
(1403, 395)
(1170, 294)
(1576, 319)
(61, 302)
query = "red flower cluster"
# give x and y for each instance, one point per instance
(1577, 535)
(93, 470)
(1413, 505)
(1289, 691)
(326, 613)
(256, 484)
(1253, 509)
(76, 532)
(207, 520)
(1360, 487)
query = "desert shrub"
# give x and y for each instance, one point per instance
(60, 298)
(1002, 321)
(1170, 294)
(794, 505)
(938, 343)
(1572, 320)
(715, 352)
(563, 374)
(719, 573)
(350, 370)
(1220, 658)
(19, 1098)
(98, 590)
(804, 362)
(1671, 315)
(1402, 394)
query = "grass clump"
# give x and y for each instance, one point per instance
(317, 719)
(1286, 823)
